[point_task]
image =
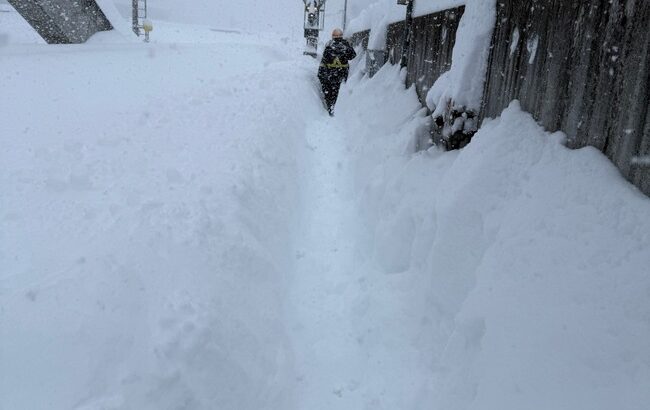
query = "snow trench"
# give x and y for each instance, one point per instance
(222, 243)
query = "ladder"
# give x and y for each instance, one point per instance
(139, 15)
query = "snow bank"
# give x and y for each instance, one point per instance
(146, 220)
(462, 86)
(516, 269)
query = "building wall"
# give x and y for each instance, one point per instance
(361, 38)
(63, 22)
(432, 43)
(580, 66)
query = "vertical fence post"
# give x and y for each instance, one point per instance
(407, 31)
(135, 18)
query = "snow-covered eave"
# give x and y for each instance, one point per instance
(424, 7)
(379, 14)
(120, 24)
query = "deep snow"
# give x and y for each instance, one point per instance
(182, 226)
(147, 227)
(526, 263)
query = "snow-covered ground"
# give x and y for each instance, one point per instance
(182, 226)
(14, 29)
(522, 266)
(148, 196)
(251, 16)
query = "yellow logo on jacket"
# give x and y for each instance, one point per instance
(337, 64)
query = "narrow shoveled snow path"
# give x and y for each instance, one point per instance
(356, 333)
(219, 242)
(327, 352)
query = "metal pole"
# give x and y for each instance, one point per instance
(407, 33)
(345, 15)
(134, 22)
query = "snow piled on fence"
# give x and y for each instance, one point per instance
(520, 267)
(377, 14)
(462, 85)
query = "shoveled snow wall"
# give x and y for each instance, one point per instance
(515, 270)
(581, 67)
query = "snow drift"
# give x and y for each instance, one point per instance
(521, 265)
(146, 222)
(182, 226)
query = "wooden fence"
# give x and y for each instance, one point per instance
(432, 43)
(580, 66)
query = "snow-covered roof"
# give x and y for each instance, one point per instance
(383, 12)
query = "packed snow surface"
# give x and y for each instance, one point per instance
(182, 226)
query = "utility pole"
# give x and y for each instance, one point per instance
(139, 15)
(314, 23)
